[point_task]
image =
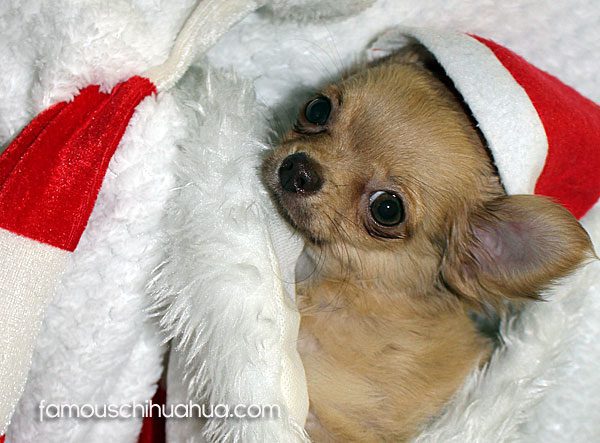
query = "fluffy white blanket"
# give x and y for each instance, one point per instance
(98, 345)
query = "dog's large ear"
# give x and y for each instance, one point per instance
(415, 53)
(514, 247)
(411, 52)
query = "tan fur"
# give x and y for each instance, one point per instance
(385, 338)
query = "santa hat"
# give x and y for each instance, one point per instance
(51, 173)
(543, 135)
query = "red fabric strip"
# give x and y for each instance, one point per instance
(51, 173)
(153, 428)
(571, 174)
(15, 151)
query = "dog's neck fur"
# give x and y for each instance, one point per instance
(401, 362)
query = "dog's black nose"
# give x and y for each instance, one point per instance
(298, 174)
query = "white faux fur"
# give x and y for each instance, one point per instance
(219, 292)
(50, 49)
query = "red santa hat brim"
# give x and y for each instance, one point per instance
(543, 135)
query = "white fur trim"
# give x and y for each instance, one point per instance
(221, 293)
(29, 274)
(187, 429)
(502, 108)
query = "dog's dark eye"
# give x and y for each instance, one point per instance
(386, 208)
(318, 110)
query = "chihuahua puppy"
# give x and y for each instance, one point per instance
(409, 228)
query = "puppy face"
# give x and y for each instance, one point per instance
(388, 180)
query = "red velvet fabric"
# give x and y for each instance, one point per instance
(153, 428)
(571, 174)
(51, 173)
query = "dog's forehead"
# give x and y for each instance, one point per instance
(384, 124)
(389, 99)
(388, 82)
